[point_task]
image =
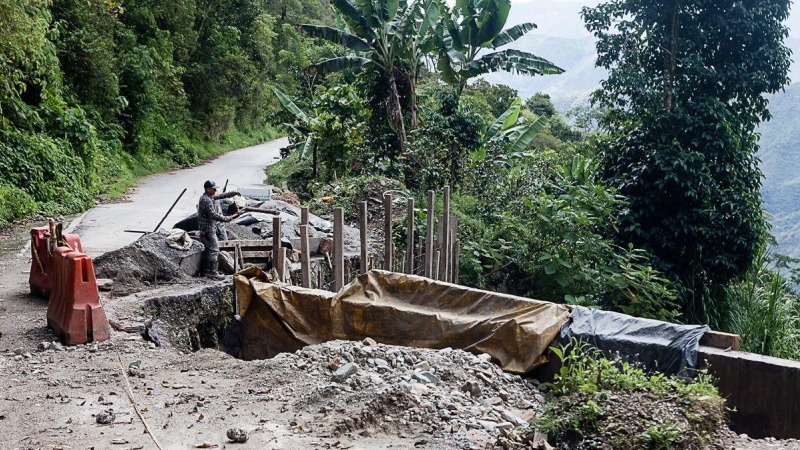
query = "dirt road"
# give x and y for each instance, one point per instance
(102, 228)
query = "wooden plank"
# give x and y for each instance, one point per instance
(305, 259)
(256, 254)
(456, 251)
(276, 232)
(338, 249)
(388, 257)
(410, 238)
(251, 243)
(436, 261)
(280, 264)
(445, 269)
(362, 225)
(304, 215)
(429, 236)
(718, 339)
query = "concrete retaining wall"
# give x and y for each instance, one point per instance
(765, 391)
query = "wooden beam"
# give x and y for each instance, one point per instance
(446, 245)
(721, 340)
(338, 249)
(410, 238)
(280, 264)
(305, 258)
(304, 215)
(387, 225)
(276, 232)
(429, 236)
(264, 243)
(362, 225)
(456, 251)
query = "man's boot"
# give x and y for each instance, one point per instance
(211, 273)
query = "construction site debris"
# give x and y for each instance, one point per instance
(400, 390)
(148, 260)
(237, 435)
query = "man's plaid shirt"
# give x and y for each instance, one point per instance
(208, 212)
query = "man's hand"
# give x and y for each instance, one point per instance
(234, 216)
(236, 193)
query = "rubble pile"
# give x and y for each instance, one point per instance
(258, 225)
(447, 394)
(148, 260)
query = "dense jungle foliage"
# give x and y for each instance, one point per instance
(646, 202)
(95, 93)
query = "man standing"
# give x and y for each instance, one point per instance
(208, 214)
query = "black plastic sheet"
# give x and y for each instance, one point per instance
(660, 346)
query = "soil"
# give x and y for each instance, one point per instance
(55, 397)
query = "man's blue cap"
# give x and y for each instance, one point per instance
(210, 184)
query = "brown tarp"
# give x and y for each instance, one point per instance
(396, 309)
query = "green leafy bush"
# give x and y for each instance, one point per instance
(764, 311)
(15, 204)
(611, 403)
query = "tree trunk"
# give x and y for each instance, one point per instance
(412, 87)
(314, 164)
(395, 113)
(669, 62)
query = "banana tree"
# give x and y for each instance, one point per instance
(373, 30)
(302, 127)
(475, 25)
(517, 136)
(417, 26)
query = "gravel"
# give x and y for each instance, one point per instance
(448, 394)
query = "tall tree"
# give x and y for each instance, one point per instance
(684, 97)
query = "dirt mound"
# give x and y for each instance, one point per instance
(147, 260)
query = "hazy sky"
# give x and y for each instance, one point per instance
(562, 17)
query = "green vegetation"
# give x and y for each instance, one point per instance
(647, 203)
(682, 142)
(610, 403)
(94, 94)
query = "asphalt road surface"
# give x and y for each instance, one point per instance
(102, 228)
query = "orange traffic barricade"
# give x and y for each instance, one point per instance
(74, 311)
(41, 279)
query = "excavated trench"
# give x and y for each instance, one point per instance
(198, 318)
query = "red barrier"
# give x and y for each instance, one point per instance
(41, 280)
(75, 312)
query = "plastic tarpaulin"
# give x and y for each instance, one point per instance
(661, 346)
(396, 309)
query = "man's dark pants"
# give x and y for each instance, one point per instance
(211, 253)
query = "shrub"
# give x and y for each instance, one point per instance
(764, 311)
(15, 204)
(610, 403)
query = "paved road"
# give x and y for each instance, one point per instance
(102, 228)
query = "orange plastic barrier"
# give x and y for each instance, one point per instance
(41, 280)
(74, 311)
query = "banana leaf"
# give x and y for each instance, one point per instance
(337, 36)
(511, 34)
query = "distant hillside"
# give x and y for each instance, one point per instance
(780, 162)
(576, 56)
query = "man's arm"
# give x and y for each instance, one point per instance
(206, 210)
(226, 195)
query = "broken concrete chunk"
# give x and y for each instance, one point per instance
(473, 388)
(237, 435)
(344, 372)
